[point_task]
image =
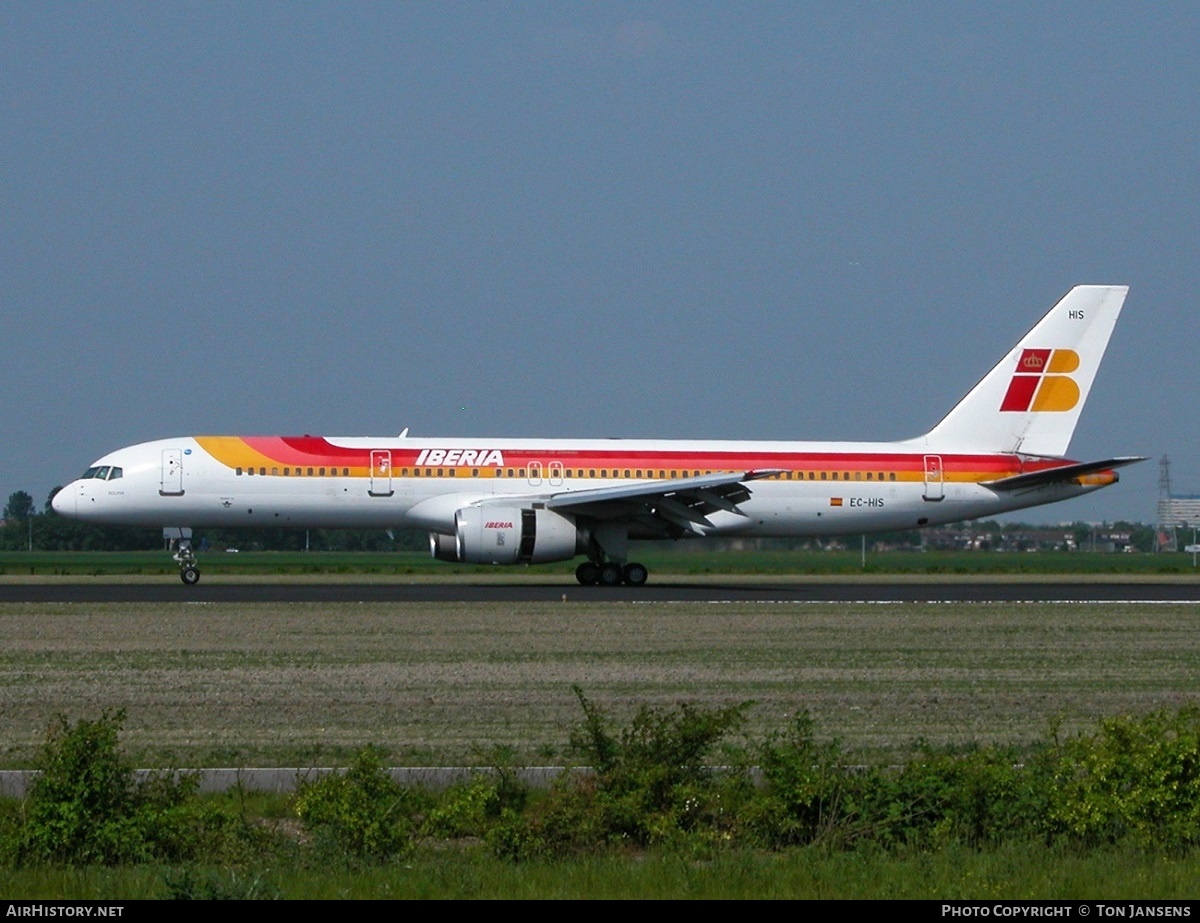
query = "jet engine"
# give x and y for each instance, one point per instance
(508, 535)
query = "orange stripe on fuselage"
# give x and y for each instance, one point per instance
(270, 452)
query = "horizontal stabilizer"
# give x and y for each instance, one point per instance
(1059, 475)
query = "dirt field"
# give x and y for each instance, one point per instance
(442, 684)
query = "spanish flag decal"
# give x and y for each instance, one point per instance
(835, 501)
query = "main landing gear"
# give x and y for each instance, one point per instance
(611, 573)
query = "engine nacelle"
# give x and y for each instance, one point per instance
(508, 535)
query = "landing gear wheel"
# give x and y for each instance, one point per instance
(189, 573)
(588, 573)
(635, 574)
(610, 574)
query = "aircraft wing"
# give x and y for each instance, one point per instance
(1059, 475)
(680, 502)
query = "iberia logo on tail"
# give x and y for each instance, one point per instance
(1041, 381)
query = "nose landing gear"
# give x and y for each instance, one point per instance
(189, 573)
(181, 541)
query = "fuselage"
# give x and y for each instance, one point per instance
(813, 489)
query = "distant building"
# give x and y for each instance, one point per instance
(1180, 511)
(969, 537)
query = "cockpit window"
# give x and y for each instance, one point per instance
(102, 473)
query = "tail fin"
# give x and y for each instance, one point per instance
(1031, 401)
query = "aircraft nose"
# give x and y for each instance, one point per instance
(64, 501)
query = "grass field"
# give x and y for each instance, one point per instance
(1016, 872)
(303, 685)
(661, 560)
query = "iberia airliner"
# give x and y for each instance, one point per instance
(527, 501)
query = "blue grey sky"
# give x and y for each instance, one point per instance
(762, 220)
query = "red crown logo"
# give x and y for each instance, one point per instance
(1032, 362)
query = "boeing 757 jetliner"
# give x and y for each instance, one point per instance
(527, 501)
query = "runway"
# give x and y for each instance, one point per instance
(714, 590)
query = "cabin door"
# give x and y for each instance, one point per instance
(381, 473)
(171, 483)
(934, 478)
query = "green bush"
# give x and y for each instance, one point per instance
(1135, 779)
(649, 784)
(361, 814)
(810, 794)
(472, 809)
(976, 797)
(667, 781)
(805, 795)
(87, 808)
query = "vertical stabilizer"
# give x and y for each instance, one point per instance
(1031, 401)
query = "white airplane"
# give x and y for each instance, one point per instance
(528, 501)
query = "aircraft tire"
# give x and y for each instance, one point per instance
(189, 575)
(610, 574)
(587, 573)
(635, 574)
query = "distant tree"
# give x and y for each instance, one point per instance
(49, 508)
(19, 506)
